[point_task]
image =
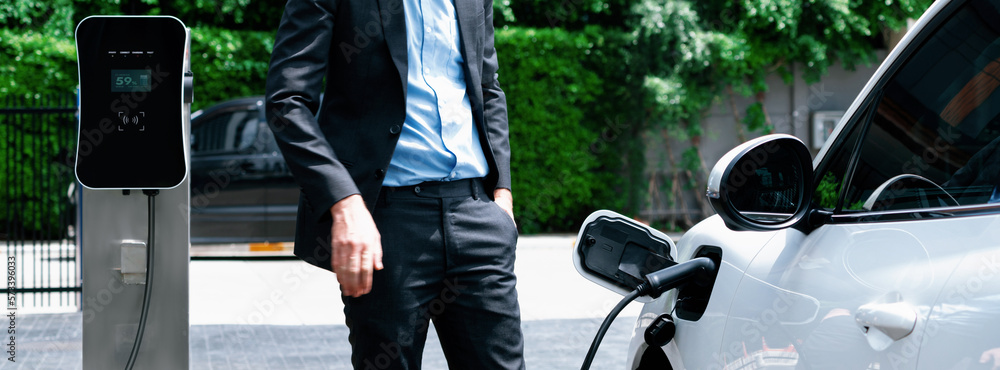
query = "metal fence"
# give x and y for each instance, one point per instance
(38, 215)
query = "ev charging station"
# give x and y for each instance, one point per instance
(132, 160)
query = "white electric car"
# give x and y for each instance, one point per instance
(881, 253)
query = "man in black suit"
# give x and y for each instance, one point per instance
(404, 166)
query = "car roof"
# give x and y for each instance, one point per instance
(228, 104)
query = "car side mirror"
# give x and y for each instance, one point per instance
(617, 252)
(763, 184)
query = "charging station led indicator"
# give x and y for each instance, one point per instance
(130, 80)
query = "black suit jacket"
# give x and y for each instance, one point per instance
(340, 143)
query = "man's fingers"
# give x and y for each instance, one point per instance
(365, 275)
(356, 242)
(354, 263)
(355, 266)
(353, 273)
(377, 258)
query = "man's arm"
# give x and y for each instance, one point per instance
(294, 82)
(495, 115)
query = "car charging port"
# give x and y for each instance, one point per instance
(692, 299)
(694, 271)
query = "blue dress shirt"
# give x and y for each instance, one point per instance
(439, 140)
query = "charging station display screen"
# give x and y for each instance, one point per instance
(131, 80)
(132, 110)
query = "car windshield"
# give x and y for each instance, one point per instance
(932, 139)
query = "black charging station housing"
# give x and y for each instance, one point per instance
(132, 107)
(621, 251)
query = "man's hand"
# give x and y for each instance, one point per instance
(505, 200)
(357, 246)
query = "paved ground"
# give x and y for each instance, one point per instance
(287, 315)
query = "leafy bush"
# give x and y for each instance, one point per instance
(573, 112)
(228, 64)
(33, 70)
(34, 64)
(566, 137)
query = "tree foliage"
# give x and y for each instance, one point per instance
(588, 81)
(691, 54)
(701, 47)
(228, 64)
(58, 18)
(34, 70)
(572, 145)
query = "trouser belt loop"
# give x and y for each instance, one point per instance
(475, 190)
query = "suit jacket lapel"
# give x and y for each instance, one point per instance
(468, 12)
(394, 30)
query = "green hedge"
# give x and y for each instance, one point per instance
(35, 66)
(228, 64)
(32, 64)
(573, 118)
(571, 130)
(35, 72)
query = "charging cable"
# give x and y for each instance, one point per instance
(151, 195)
(656, 283)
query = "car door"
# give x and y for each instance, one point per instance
(906, 194)
(282, 194)
(228, 175)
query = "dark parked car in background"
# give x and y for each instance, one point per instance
(241, 189)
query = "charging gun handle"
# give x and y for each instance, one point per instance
(656, 283)
(676, 275)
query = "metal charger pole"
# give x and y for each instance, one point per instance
(132, 160)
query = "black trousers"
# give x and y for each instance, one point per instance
(448, 256)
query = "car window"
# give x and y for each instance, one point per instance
(828, 186)
(248, 135)
(933, 138)
(225, 132)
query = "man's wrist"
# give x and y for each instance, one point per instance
(344, 204)
(502, 193)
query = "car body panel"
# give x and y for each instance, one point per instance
(241, 188)
(966, 313)
(701, 338)
(862, 287)
(839, 268)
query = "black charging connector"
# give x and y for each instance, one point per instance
(674, 276)
(655, 284)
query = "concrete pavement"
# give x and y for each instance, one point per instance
(288, 315)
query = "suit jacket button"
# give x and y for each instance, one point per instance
(394, 129)
(379, 173)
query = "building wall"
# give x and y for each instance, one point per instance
(791, 109)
